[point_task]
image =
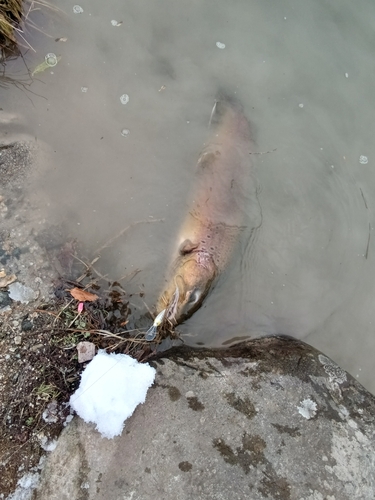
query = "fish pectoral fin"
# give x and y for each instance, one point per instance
(187, 246)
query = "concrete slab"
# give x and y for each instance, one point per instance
(271, 419)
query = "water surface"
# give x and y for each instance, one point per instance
(304, 73)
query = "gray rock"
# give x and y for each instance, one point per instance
(18, 340)
(22, 293)
(270, 419)
(26, 325)
(16, 157)
(86, 351)
(5, 300)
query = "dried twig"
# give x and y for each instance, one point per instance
(62, 310)
(123, 231)
(106, 333)
(263, 152)
(87, 266)
(130, 276)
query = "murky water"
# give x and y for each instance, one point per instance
(304, 73)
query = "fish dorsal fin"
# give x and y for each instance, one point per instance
(187, 246)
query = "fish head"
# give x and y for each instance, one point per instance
(192, 276)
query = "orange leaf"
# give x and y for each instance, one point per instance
(83, 296)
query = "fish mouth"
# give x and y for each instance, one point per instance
(172, 309)
(179, 310)
(168, 314)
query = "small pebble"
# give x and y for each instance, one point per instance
(36, 347)
(5, 300)
(26, 325)
(86, 351)
(18, 339)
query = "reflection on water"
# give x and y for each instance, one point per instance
(303, 72)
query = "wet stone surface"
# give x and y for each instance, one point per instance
(27, 359)
(16, 159)
(231, 424)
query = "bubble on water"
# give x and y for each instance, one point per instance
(77, 9)
(346, 75)
(220, 45)
(300, 105)
(363, 160)
(125, 132)
(124, 99)
(84, 89)
(51, 59)
(116, 23)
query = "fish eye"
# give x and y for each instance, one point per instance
(194, 297)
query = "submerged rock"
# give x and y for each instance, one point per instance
(22, 293)
(268, 419)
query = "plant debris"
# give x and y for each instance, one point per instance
(82, 295)
(14, 16)
(6, 280)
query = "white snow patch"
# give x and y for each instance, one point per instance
(111, 387)
(25, 487)
(68, 419)
(47, 444)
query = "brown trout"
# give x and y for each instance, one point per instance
(216, 214)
